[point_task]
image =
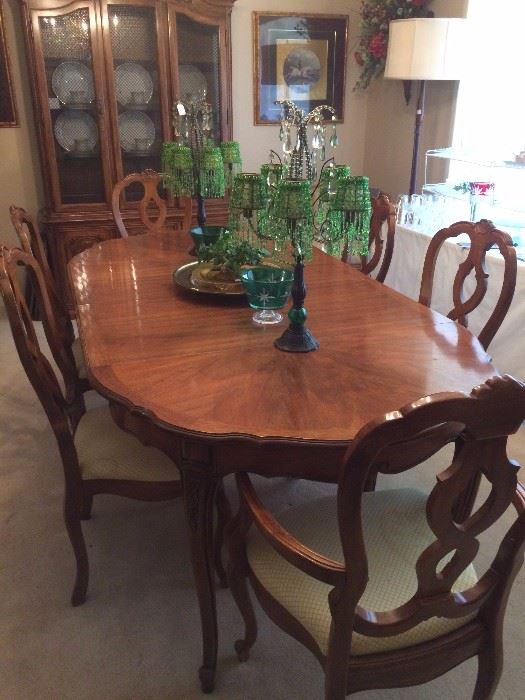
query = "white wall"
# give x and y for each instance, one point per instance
(256, 141)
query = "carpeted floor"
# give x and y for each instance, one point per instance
(137, 637)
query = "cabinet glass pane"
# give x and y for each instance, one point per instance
(135, 62)
(66, 43)
(198, 54)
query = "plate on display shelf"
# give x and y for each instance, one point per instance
(76, 132)
(72, 83)
(137, 132)
(192, 81)
(198, 277)
(133, 84)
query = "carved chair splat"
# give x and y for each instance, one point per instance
(152, 207)
(332, 572)
(32, 243)
(483, 236)
(383, 212)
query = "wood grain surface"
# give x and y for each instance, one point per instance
(197, 364)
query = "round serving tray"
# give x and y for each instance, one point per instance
(183, 277)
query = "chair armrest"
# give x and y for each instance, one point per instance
(296, 553)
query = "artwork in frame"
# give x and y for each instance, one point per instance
(298, 57)
(8, 116)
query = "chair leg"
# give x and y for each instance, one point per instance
(490, 666)
(237, 572)
(74, 530)
(224, 516)
(87, 504)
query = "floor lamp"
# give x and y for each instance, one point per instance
(425, 49)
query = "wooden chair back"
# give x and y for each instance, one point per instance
(381, 240)
(152, 207)
(483, 236)
(32, 243)
(63, 406)
(479, 424)
(482, 423)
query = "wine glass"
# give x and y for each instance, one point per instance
(267, 289)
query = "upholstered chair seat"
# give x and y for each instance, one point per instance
(396, 531)
(107, 452)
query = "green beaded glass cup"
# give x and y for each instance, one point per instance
(267, 289)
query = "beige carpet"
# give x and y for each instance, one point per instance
(137, 637)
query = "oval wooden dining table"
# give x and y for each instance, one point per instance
(191, 373)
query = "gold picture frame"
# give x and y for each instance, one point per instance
(300, 57)
(8, 113)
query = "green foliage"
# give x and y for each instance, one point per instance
(230, 254)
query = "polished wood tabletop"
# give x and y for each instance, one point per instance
(197, 369)
(199, 365)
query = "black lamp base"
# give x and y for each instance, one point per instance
(296, 338)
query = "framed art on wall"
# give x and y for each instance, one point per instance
(299, 57)
(8, 115)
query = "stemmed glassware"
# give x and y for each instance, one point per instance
(267, 289)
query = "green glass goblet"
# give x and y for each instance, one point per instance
(267, 289)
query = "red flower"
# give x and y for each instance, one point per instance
(418, 3)
(359, 59)
(377, 45)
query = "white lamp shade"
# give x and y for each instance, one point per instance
(427, 49)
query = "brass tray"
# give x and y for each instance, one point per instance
(184, 277)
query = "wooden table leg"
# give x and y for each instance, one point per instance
(200, 487)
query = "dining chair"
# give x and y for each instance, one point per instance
(382, 586)
(97, 456)
(153, 209)
(483, 236)
(380, 239)
(31, 241)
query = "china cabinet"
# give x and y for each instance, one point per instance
(105, 76)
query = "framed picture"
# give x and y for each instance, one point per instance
(8, 115)
(298, 57)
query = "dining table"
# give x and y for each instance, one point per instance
(189, 372)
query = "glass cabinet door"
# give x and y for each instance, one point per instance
(199, 65)
(72, 92)
(140, 90)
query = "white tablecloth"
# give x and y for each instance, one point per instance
(507, 349)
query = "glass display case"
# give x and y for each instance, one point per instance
(478, 187)
(106, 74)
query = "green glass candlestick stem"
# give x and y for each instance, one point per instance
(297, 338)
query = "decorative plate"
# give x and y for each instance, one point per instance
(191, 81)
(72, 83)
(133, 84)
(76, 132)
(188, 277)
(137, 132)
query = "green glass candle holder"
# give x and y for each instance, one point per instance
(267, 289)
(248, 192)
(177, 165)
(211, 173)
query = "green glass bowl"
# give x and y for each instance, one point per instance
(267, 289)
(207, 235)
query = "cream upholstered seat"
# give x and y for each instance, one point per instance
(396, 532)
(380, 586)
(107, 452)
(97, 456)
